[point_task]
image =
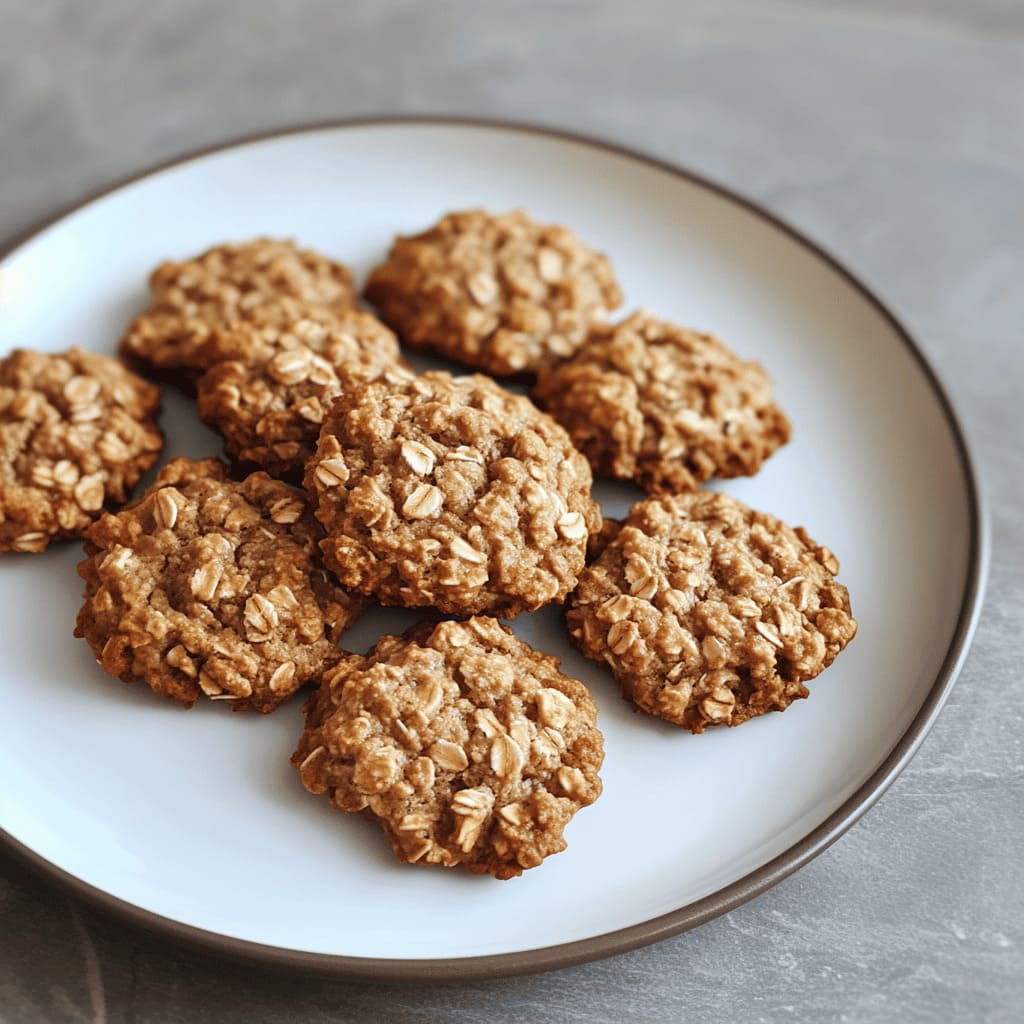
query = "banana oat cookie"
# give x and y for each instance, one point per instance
(208, 586)
(272, 383)
(453, 493)
(710, 613)
(663, 406)
(502, 294)
(221, 287)
(77, 430)
(469, 747)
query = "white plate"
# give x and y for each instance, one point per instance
(198, 818)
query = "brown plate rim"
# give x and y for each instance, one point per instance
(692, 914)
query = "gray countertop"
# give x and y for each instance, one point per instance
(891, 132)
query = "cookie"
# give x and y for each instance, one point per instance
(501, 294)
(466, 745)
(453, 493)
(710, 613)
(77, 430)
(210, 587)
(663, 406)
(272, 383)
(221, 287)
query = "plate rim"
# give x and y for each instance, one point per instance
(683, 918)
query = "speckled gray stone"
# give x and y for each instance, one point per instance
(891, 131)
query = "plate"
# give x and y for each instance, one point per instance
(196, 825)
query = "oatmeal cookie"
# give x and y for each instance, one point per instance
(77, 430)
(502, 294)
(664, 406)
(272, 384)
(468, 746)
(219, 288)
(710, 613)
(208, 586)
(451, 492)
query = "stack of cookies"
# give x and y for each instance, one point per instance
(353, 479)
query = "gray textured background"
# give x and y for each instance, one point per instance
(893, 134)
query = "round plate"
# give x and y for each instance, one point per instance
(195, 824)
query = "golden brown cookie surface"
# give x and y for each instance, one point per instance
(501, 294)
(77, 431)
(667, 407)
(210, 587)
(709, 612)
(271, 384)
(468, 746)
(450, 492)
(221, 287)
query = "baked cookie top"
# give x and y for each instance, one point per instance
(467, 745)
(709, 612)
(77, 430)
(664, 406)
(221, 287)
(501, 294)
(450, 492)
(210, 587)
(272, 383)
